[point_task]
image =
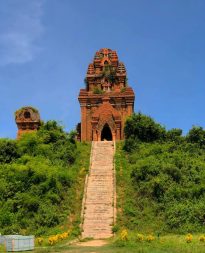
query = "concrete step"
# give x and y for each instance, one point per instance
(99, 202)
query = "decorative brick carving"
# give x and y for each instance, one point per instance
(27, 120)
(107, 99)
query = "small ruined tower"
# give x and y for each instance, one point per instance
(27, 120)
(107, 100)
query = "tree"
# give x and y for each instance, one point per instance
(196, 135)
(143, 128)
(174, 134)
(8, 151)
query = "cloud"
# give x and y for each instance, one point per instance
(22, 27)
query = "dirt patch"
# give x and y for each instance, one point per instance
(92, 243)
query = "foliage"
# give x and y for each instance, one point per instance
(196, 135)
(167, 243)
(8, 151)
(175, 134)
(40, 177)
(161, 177)
(123, 89)
(140, 127)
(115, 228)
(140, 237)
(156, 244)
(109, 72)
(97, 90)
(166, 185)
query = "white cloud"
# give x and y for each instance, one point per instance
(22, 27)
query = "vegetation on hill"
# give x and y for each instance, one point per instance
(160, 178)
(41, 183)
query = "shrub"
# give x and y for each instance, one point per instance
(139, 237)
(174, 134)
(115, 228)
(164, 186)
(38, 179)
(39, 241)
(97, 90)
(8, 151)
(196, 135)
(143, 128)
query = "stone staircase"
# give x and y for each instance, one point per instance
(98, 212)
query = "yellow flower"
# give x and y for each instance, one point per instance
(189, 238)
(150, 238)
(50, 240)
(63, 235)
(124, 235)
(202, 238)
(60, 237)
(53, 239)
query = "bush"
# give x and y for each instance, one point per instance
(8, 151)
(39, 178)
(143, 128)
(163, 186)
(196, 135)
(174, 134)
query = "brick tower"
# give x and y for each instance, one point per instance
(27, 120)
(107, 100)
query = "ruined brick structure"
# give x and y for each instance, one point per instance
(107, 100)
(27, 120)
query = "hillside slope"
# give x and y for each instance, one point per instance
(160, 178)
(42, 180)
(161, 187)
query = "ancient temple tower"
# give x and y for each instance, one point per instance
(27, 120)
(107, 100)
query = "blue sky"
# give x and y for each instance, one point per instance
(46, 46)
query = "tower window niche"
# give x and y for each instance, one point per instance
(27, 115)
(105, 63)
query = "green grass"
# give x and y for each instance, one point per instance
(160, 188)
(128, 210)
(138, 213)
(164, 244)
(79, 170)
(81, 167)
(41, 184)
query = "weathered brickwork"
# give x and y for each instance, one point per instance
(27, 120)
(107, 100)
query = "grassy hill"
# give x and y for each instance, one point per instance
(42, 180)
(160, 185)
(160, 178)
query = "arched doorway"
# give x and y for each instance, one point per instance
(106, 133)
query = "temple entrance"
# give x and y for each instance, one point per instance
(106, 134)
